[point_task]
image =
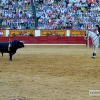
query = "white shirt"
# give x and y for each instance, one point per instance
(97, 32)
(1, 33)
(19, 27)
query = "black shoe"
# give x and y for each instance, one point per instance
(93, 57)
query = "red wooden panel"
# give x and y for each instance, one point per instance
(25, 39)
(4, 39)
(71, 40)
(62, 40)
(52, 40)
(46, 39)
(42, 40)
(33, 40)
(80, 40)
(52, 37)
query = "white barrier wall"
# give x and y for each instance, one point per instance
(68, 32)
(7, 32)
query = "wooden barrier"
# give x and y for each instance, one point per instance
(77, 32)
(46, 39)
(17, 32)
(59, 32)
(45, 32)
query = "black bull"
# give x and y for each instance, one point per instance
(14, 45)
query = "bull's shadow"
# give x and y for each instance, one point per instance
(10, 47)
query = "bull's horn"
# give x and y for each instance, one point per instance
(22, 41)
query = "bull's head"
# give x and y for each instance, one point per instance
(21, 44)
(18, 44)
(22, 41)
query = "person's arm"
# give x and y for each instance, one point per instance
(99, 31)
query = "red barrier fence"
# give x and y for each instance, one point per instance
(46, 39)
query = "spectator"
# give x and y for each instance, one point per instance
(25, 2)
(1, 33)
(50, 14)
(31, 34)
(25, 34)
(13, 34)
(29, 1)
(19, 4)
(21, 34)
(59, 16)
(12, 15)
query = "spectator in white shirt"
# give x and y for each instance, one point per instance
(20, 4)
(19, 26)
(1, 33)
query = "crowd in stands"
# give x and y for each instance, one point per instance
(64, 14)
(68, 14)
(13, 14)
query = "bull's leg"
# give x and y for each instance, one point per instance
(11, 53)
(2, 54)
(10, 57)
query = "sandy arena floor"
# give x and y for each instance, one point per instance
(50, 73)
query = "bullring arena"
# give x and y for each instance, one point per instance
(64, 71)
(50, 73)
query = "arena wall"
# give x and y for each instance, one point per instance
(46, 39)
(70, 36)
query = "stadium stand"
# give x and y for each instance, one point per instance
(69, 14)
(16, 14)
(64, 14)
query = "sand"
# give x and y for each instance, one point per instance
(50, 73)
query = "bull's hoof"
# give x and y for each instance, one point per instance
(10, 59)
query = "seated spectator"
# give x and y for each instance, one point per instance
(1, 33)
(19, 26)
(50, 14)
(29, 1)
(13, 34)
(31, 27)
(25, 34)
(47, 34)
(14, 16)
(56, 34)
(59, 14)
(21, 34)
(20, 4)
(25, 3)
(31, 34)
(23, 27)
